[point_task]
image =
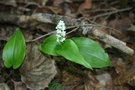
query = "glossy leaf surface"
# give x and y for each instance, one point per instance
(14, 50)
(70, 51)
(92, 52)
(49, 45)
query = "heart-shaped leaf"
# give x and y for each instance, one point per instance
(70, 51)
(14, 50)
(92, 52)
(49, 44)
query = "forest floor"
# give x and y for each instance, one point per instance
(37, 19)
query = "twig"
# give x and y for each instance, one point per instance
(113, 41)
(101, 10)
(109, 13)
(99, 25)
(54, 19)
(42, 36)
(73, 30)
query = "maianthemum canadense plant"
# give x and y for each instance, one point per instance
(80, 50)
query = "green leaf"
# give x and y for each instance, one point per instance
(14, 50)
(92, 52)
(55, 86)
(70, 51)
(49, 45)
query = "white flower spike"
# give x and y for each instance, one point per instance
(61, 33)
(61, 26)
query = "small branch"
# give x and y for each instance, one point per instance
(42, 36)
(54, 19)
(113, 41)
(110, 13)
(73, 30)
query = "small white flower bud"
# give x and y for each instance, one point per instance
(58, 31)
(61, 25)
(61, 33)
(58, 35)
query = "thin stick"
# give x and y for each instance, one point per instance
(42, 36)
(53, 19)
(73, 30)
(109, 13)
(96, 25)
(113, 41)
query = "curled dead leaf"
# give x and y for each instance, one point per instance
(37, 70)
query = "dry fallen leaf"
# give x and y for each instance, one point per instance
(8, 2)
(4, 86)
(91, 83)
(105, 81)
(37, 70)
(98, 82)
(131, 28)
(42, 2)
(120, 65)
(127, 77)
(86, 5)
(57, 2)
(122, 26)
(19, 85)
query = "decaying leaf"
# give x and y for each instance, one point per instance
(105, 81)
(98, 82)
(131, 28)
(8, 2)
(125, 71)
(37, 70)
(91, 83)
(120, 65)
(19, 85)
(127, 77)
(85, 7)
(4, 86)
(121, 25)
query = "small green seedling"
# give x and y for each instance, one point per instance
(14, 50)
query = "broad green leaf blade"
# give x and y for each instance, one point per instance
(49, 45)
(14, 50)
(70, 51)
(92, 52)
